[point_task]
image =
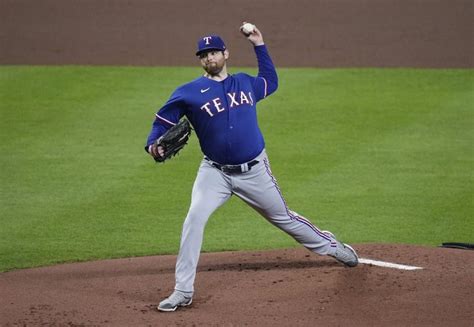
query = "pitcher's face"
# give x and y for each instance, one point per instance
(213, 61)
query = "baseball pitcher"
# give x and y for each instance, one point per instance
(221, 107)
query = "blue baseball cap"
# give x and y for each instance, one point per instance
(210, 42)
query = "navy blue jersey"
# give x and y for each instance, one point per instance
(223, 113)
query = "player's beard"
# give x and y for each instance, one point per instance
(214, 68)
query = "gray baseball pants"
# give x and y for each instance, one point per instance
(259, 189)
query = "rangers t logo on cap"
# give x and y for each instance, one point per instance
(210, 42)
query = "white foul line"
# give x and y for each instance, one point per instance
(387, 264)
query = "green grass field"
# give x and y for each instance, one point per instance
(375, 155)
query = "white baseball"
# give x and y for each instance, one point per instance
(248, 28)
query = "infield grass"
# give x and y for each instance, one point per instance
(374, 155)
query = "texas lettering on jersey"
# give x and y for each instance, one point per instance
(234, 98)
(223, 113)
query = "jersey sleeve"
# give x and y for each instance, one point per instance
(266, 81)
(169, 115)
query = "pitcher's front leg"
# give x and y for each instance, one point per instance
(211, 189)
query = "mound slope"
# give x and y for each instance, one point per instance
(291, 287)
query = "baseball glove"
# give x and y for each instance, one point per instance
(173, 140)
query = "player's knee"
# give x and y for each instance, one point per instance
(196, 218)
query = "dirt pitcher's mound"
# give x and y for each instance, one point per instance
(272, 288)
